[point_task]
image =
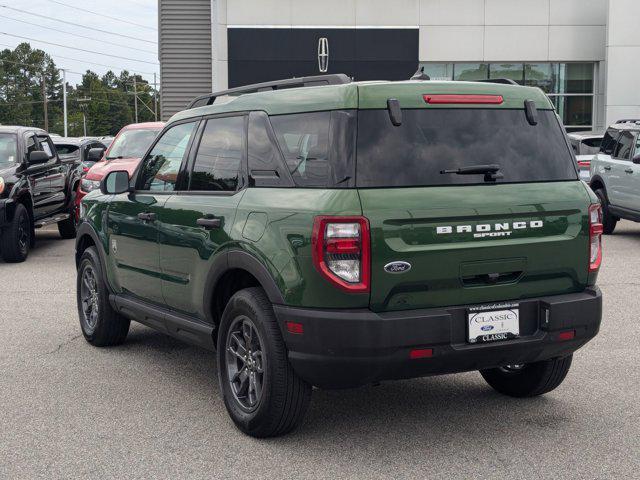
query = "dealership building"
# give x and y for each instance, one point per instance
(585, 54)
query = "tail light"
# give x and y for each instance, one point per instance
(595, 237)
(341, 251)
(584, 163)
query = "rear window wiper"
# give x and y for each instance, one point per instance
(490, 172)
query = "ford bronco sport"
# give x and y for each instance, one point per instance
(343, 234)
(615, 173)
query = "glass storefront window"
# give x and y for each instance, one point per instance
(561, 81)
(574, 110)
(470, 71)
(575, 78)
(541, 75)
(512, 71)
(438, 71)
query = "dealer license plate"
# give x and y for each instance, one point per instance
(490, 323)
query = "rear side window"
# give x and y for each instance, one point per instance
(318, 147)
(219, 156)
(608, 142)
(266, 166)
(624, 146)
(433, 140)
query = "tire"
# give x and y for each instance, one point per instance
(16, 237)
(101, 325)
(281, 403)
(528, 380)
(608, 220)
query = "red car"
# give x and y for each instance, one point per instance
(124, 153)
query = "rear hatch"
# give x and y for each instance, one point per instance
(443, 239)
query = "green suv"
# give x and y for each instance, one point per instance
(329, 233)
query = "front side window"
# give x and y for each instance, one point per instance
(624, 146)
(162, 165)
(219, 157)
(608, 142)
(46, 146)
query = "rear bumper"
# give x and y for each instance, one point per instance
(346, 348)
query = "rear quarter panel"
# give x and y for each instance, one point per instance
(275, 226)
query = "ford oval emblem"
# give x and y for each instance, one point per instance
(397, 267)
(486, 328)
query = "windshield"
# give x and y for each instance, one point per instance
(132, 143)
(8, 148)
(429, 144)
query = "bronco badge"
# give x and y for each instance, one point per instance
(397, 267)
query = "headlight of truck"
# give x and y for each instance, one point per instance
(89, 185)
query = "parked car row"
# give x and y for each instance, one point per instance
(42, 178)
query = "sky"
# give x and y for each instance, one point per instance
(133, 23)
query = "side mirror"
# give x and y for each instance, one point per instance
(95, 154)
(636, 159)
(38, 158)
(115, 182)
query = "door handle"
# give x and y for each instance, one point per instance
(607, 167)
(147, 217)
(629, 170)
(209, 222)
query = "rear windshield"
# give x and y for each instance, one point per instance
(430, 141)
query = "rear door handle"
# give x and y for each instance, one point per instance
(629, 170)
(607, 167)
(209, 223)
(147, 217)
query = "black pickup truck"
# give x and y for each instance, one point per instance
(35, 190)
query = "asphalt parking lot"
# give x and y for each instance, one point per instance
(151, 408)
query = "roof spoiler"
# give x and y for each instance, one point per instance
(300, 82)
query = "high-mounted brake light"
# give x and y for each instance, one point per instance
(462, 99)
(595, 237)
(341, 251)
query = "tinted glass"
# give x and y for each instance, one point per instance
(318, 147)
(429, 141)
(609, 142)
(541, 75)
(162, 165)
(574, 110)
(624, 146)
(590, 145)
(575, 78)
(66, 149)
(8, 148)
(132, 143)
(470, 71)
(45, 146)
(219, 157)
(512, 71)
(265, 161)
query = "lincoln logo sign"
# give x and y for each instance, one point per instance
(504, 229)
(323, 55)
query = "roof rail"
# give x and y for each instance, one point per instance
(629, 120)
(313, 81)
(505, 81)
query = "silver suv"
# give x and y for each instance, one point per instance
(615, 173)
